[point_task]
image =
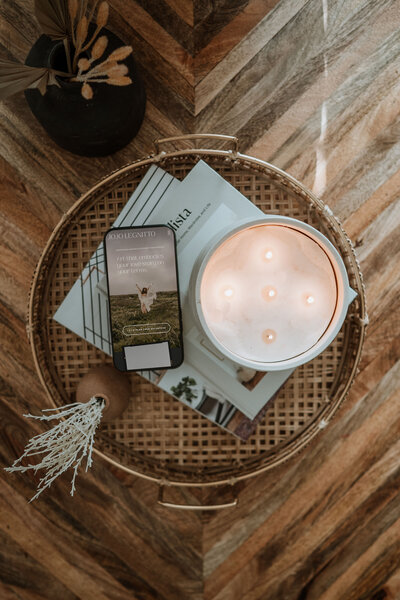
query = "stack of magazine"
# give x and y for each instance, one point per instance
(197, 209)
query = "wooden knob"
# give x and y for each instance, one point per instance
(108, 383)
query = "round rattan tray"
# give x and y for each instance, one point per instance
(159, 438)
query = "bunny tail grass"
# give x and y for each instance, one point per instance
(66, 444)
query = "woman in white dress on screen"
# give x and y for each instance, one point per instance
(146, 297)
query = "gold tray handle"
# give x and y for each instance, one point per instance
(197, 507)
(194, 136)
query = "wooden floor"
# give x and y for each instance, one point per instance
(312, 86)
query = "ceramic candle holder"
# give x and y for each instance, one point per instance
(270, 294)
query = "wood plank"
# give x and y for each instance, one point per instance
(183, 8)
(245, 50)
(150, 60)
(222, 13)
(348, 75)
(156, 36)
(43, 584)
(258, 95)
(381, 403)
(368, 573)
(312, 87)
(101, 540)
(227, 39)
(18, 29)
(384, 196)
(392, 586)
(18, 593)
(162, 12)
(30, 534)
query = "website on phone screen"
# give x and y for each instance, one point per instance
(143, 296)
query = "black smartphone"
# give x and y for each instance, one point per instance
(143, 294)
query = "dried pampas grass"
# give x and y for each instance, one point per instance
(109, 71)
(87, 91)
(99, 48)
(69, 21)
(65, 445)
(102, 15)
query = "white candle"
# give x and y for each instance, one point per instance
(268, 293)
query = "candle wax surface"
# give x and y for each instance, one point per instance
(268, 293)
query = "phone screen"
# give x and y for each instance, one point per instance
(143, 292)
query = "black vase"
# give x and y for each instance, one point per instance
(95, 127)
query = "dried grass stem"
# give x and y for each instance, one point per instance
(91, 14)
(67, 54)
(65, 445)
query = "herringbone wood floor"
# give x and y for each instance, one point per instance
(312, 86)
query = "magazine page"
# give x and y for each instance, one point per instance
(85, 308)
(195, 390)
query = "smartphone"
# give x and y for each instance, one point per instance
(143, 293)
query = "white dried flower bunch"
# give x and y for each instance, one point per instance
(66, 444)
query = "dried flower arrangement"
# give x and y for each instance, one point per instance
(69, 21)
(66, 444)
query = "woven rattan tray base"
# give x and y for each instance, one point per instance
(158, 437)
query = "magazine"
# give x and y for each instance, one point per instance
(197, 209)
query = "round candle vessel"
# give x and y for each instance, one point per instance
(271, 293)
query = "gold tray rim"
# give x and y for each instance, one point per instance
(299, 441)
